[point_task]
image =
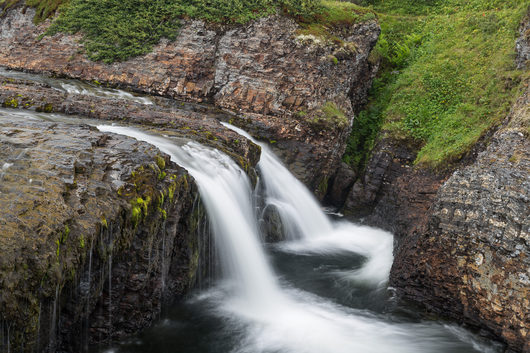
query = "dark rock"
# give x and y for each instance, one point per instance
(340, 185)
(471, 261)
(97, 234)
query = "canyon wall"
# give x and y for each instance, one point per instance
(294, 90)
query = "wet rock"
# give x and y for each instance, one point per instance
(271, 224)
(178, 119)
(98, 231)
(341, 183)
(471, 260)
(264, 71)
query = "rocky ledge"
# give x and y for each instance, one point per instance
(95, 239)
(297, 91)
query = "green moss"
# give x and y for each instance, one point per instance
(161, 175)
(10, 103)
(65, 234)
(323, 186)
(161, 162)
(45, 108)
(333, 17)
(163, 213)
(329, 116)
(44, 8)
(136, 215)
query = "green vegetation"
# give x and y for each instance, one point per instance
(115, 30)
(447, 76)
(329, 116)
(333, 14)
(44, 8)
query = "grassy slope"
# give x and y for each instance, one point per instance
(448, 76)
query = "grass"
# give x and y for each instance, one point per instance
(448, 76)
(333, 16)
(115, 30)
(43, 8)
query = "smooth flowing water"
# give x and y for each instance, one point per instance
(75, 86)
(323, 291)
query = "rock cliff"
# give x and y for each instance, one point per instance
(462, 238)
(294, 90)
(472, 261)
(94, 238)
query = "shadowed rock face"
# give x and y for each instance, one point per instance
(97, 232)
(473, 261)
(276, 80)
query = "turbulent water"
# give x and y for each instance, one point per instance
(322, 291)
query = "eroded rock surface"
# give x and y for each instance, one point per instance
(265, 71)
(472, 260)
(97, 232)
(522, 45)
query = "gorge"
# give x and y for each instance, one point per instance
(172, 201)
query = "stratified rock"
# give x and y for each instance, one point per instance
(178, 119)
(97, 231)
(473, 261)
(280, 81)
(391, 193)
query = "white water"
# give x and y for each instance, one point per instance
(279, 319)
(226, 193)
(311, 231)
(75, 87)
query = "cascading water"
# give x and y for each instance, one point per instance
(300, 213)
(310, 229)
(76, 87)
(226, 193)
(263, 315)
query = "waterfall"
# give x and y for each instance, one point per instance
(227, 196)
(299, 210)
(311, 231)
(275, 318)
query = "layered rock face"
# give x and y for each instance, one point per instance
(462, 238)
(473, 260)
(76, 248)
(297, 91)
(98, 230)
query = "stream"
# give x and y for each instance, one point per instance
(322, 290)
